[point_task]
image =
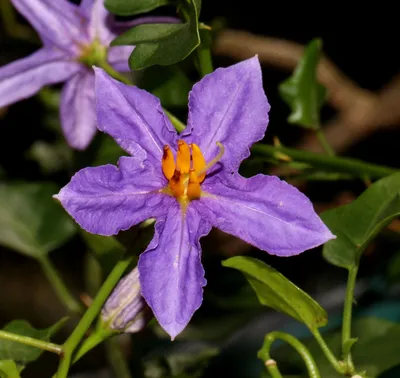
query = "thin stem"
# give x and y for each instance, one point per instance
(334, 163)
(91, 313)
(204, 56)
(59, 286)
(113, 73)
(45, 345)
(324, 143)
(301, 349)
(272, 368)
(328, 353)
(347, 315)
(116, 358)
(179, 126)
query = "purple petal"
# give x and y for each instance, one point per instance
(171, 273)
(25, 77)
(100, 20)
(133, 117)
(125, 308)
(229, 106)
(77, 110)
(118, 57)
(263, 211)
(105, 200)
(59, 22)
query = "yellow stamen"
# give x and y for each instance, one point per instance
(168, 163)
(199, 163)
(176, 184)
(183, 157)
(193, 189)
(213, 161)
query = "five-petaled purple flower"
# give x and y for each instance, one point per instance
(192, 192)
(74, 38)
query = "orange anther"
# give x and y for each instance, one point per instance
(199, 163)
(183, 157)
(168, 163)
(193, 189)
(176, 184)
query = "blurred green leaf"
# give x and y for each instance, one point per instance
(8, 369)
(107, 249)
(168, 83)
(163, 44)
(108, 151)
(376, 350)
(393, 271)
(357, 223)
(20, 353)
(132, 7)
(51, 157)
(302, 92)
(276, 291)
(31, 221)
(182, 363)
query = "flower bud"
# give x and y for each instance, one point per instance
(126, 309)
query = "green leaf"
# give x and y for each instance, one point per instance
(163, 44)
(31, 221)
(376, 350)
(276, 291)
(393, 269)
(302, 92)
(8, 369)
(357, 223)
(20, 353)
(168, 83)
(133, 7)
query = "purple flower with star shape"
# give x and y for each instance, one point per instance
(72, 35)
(190, 183)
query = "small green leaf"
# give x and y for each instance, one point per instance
(357, 223)
(8, 369)
(302, 92)
(163, 44)
(133, 7)
(169, 83)
(20, 353)
(276, 291)
(31, 221)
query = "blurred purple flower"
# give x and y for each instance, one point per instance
(201, 188)
(73, 37)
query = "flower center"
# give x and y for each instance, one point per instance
(93, 54)
(185, 176)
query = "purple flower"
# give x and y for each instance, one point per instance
(198, 189)
(125, 309)
(74, 38)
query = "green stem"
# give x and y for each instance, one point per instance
(334, 163)
(179, 126)
(203, 52)
(116, 358)
(304, 353)
(45, 345)
(91, 313)
(328, 353)
(59, 286)
(347, 315)
(324, 143)
(272, 368)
